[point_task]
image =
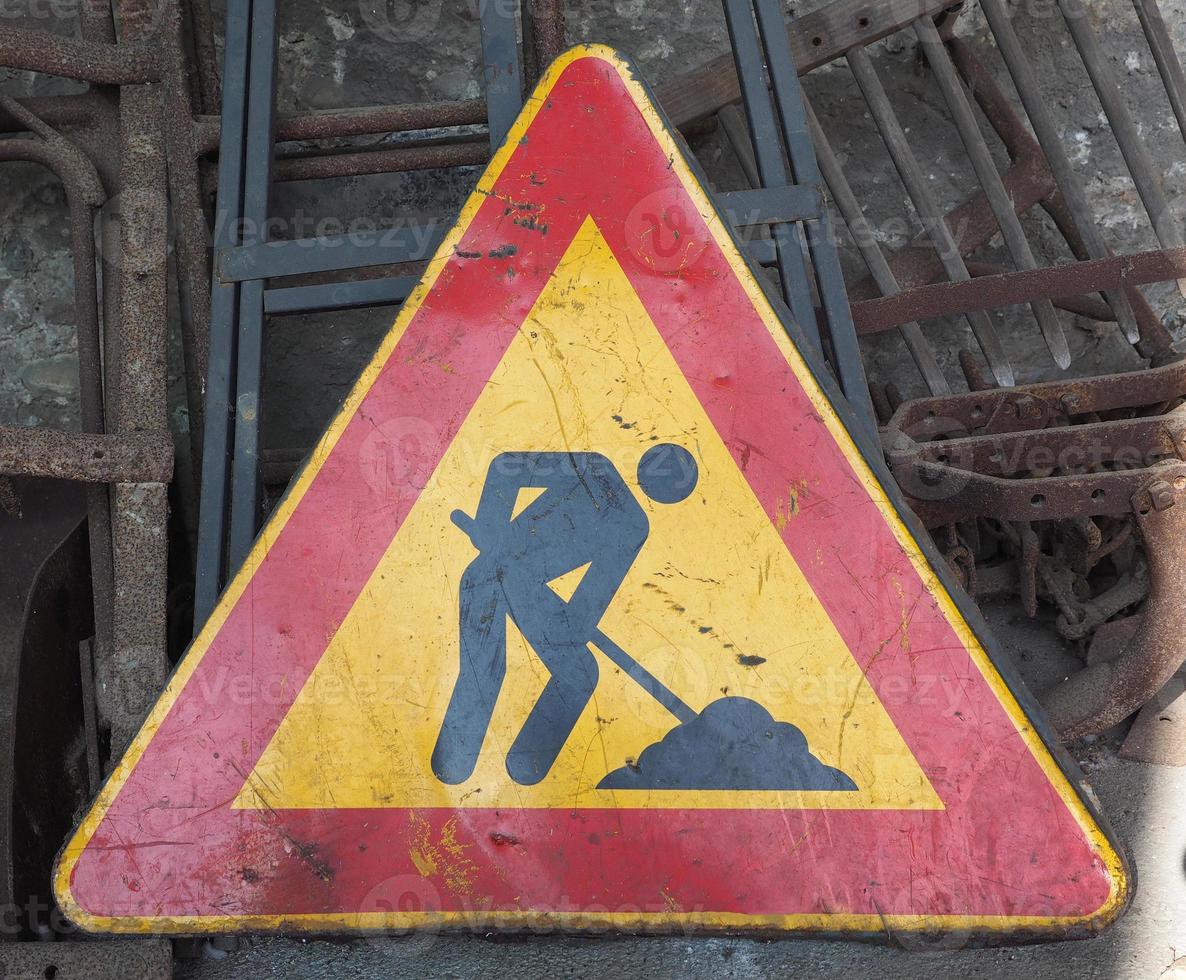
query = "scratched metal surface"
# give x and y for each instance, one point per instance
(769, 594)
(1143, 802)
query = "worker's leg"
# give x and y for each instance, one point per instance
(483, 667)
(547, 623)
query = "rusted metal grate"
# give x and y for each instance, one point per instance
(936, 276)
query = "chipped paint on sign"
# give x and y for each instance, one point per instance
(587, 611)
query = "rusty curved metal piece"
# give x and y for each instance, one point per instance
(126, 63)
(72, 452)
(1105, 693)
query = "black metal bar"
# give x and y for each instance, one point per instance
(772, 205)
(731, 119)
(413, 241)
(338, 295)
(500, 66)
(90, 721)
(761, 251)
(788, 98)
(223, 314)
(416, 241)
(788, 243)
(1036, 107)
(928, 211)
(256, 186)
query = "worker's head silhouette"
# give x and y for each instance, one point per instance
(667, 473)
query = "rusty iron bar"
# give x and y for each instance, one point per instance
(86, 61)
(1061, 447)
(75, 111)
(84, 195)
(132, 676)
(959, 457)
(192, 239)
(1028, 407)
(136, 457)
(1087, 306)
(1012, 288)
(79, 109)
(1106, 692)
(409, 117)
(95, 21)
(547, 24)
(961, 494)
(201, 32)
(386, 159)
(332, 124)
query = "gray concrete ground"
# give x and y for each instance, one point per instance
(353, 52)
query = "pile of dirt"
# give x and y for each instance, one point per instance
(734, 743)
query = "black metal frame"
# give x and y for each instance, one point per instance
(244, 260)
(765, 45)
(787, 196)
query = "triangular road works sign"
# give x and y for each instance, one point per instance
(587, 613)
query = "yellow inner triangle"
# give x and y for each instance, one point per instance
(714, 604)
(527, 497)
(565, 585)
